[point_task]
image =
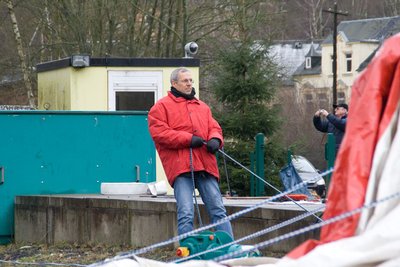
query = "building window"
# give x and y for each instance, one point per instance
(322, 97)
(308, 98)
(341, 97)
(142, 101)
(348, 62)
(308, 62)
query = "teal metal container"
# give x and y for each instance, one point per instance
(69, 153)
(330, 156)
(257, 186)
(260, 163)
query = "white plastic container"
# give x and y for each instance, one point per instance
(124, 188)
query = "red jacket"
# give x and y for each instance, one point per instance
(172, 123)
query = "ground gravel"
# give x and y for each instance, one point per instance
(69, 254)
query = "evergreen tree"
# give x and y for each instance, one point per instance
(245, 81)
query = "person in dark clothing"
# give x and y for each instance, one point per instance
(329, 123)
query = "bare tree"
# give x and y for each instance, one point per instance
(316, 22)
(21, 54)
(392, 7)
(142, 28)
(359, 9)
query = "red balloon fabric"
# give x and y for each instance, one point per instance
(374, 97)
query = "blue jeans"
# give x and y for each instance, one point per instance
(210, 194)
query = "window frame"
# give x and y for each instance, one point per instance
(308, 63)
(349, 62)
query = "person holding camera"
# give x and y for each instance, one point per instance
(187, 137)
(332, 123)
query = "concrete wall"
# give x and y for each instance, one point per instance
(83, 220)
(136, 221)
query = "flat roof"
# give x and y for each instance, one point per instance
(121, 62)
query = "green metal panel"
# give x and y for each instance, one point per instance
(253, 179)
(69, 153)
(330, 156)
(260, 163)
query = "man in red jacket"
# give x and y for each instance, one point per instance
(180, 124)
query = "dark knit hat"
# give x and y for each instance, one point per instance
(342, 105)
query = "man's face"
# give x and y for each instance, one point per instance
(184, 82)
(340, 112)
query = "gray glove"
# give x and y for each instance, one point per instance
(196, 141)
(213, 145)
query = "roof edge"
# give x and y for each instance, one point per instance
(121, 62)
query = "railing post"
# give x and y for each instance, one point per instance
(330, 155)
(289, 156)
(260, 163)
(253, 190)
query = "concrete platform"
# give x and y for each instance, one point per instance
(140, 220)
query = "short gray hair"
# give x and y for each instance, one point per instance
(174, 74)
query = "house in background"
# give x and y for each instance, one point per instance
(289, 55)
(357, 41)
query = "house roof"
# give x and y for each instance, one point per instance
(314, 52)
(301, 70)
(367, 30)
(289, 55)
(120, 62)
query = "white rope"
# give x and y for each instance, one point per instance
(256, 234)
(196, 205)
(265, 182)
(129, 254)
(310, 228)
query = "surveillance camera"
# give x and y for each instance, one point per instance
(191, 49)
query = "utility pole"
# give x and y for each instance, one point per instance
(335, 13)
